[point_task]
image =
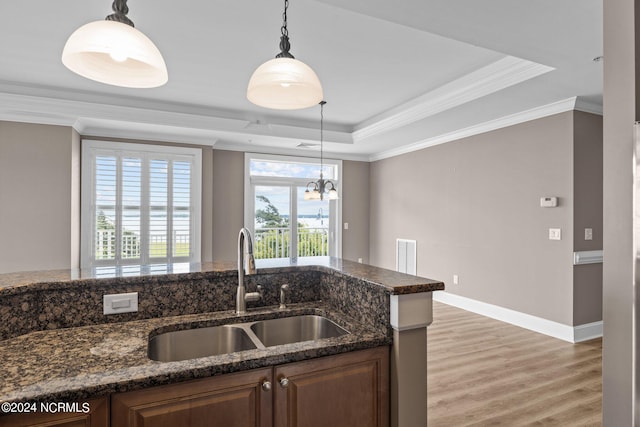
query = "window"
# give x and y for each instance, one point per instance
(283, 224)
(140, 204)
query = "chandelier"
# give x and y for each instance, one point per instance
(317, 189)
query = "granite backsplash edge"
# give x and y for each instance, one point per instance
(74, 303)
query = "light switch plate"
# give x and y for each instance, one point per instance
(588, 234)
(120, 303)
(555, 234)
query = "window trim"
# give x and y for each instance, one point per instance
(92, 148)
(251, 181)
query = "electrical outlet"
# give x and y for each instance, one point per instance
(120, 303)
(588, 234)
(456, 279)
(555, 234)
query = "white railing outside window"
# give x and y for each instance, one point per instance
(131, 247)
(275, 242)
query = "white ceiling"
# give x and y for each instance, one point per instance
(396, 75)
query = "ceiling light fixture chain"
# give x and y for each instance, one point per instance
(285, 45)
(316, 189)
(120, 10)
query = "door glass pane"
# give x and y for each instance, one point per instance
(313, 226)
(286, 169)
(272, 226)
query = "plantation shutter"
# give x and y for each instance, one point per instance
(144, 204)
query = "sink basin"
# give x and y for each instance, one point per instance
(211, 341)
(193, 343)
(288, 330)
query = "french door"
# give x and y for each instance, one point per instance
(283, 224)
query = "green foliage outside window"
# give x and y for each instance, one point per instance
(272, 236)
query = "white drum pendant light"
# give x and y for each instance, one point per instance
(284, 83)
(114, 52)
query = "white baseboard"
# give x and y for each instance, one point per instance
(561, 331)
(587, 332)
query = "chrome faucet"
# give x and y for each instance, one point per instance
(283, 289)
(245, 259)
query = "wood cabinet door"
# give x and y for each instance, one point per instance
(346, 390)
(98, 416)
(233, 400)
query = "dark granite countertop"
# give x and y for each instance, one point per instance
(394, 282)
(74, 364)
(56, 344)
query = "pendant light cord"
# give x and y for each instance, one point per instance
(285, 46)
(120, 10)
(321, 136)
(283, 30)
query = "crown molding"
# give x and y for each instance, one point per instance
(193, 125)
(512, 119)
(289, 151)
(496, 76)
(141, 121)
(34, 108)
(136, 131)
(588, 107)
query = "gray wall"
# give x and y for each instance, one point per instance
(228, 202)
(587, 213)
(355, 210)
(620, 112)
(39, 173)
(40, 199)
(473, 207)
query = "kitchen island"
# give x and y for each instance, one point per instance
(58, 346)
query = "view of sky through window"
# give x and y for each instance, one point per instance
(312, 212)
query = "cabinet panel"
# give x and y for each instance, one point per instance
(225, 401)
(348, 390)
(98, 416)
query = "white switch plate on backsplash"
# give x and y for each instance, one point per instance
(120, 303)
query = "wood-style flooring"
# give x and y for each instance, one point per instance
(484, 372)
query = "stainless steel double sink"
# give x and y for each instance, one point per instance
(216, 340)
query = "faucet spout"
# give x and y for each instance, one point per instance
(245, 252)
(245, 261)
